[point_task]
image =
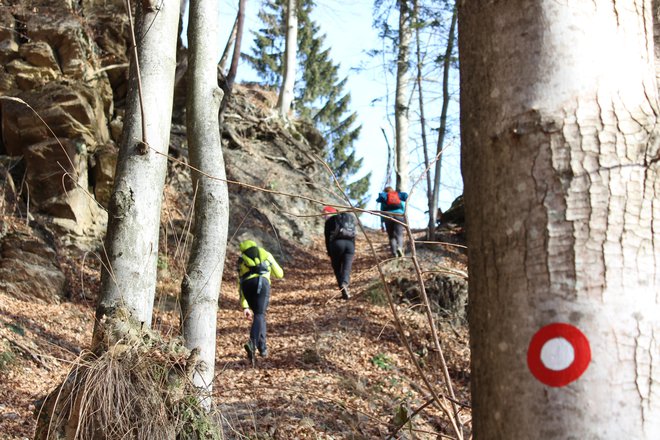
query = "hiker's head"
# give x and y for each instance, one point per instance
(388, 189)
(247, 244)
(329, 211)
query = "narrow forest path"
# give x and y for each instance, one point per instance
(335, 369)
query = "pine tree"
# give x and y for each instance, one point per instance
(319, 92)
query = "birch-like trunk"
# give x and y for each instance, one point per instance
(131, 246)
(559, 110)
(401, 107)
(290, 50)
(201, 284)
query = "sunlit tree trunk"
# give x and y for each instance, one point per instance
(446, 67)
(422, 118)
(291, 47)
(401, 107)
(201, 284)
(559, 110)
(229, 44)
(236, 56)
(131, 246)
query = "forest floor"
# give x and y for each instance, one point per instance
(336, 369)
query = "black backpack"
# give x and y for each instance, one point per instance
(252, 260)
(344, 227)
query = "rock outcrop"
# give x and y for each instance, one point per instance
(63, 85)
(56, 110)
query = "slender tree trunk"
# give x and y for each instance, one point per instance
(401, 100)
(446, 67)
(236, 56)
(291, 47)
(230, 43)
(131, 246)
(201, 284)
(422, 122)
(559, 110)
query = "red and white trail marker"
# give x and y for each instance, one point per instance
(558, 354)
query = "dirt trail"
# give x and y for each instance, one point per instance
(336, 368)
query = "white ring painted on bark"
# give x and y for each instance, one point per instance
(557, 354)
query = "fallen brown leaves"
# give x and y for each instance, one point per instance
(336, 369)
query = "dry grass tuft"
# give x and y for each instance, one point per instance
(138, 387)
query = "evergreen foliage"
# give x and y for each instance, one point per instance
(320, 95)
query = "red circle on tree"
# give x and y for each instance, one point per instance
(581, 354)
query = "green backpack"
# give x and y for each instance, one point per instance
(256, 261)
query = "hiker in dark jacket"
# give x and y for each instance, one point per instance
(255, 264)
(393, 205)
(339, 232)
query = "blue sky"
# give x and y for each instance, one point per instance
(350, 35)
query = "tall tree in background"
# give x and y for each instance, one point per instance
(319, 92)
(432, 23)
(442, 131)
(285, 98)
(559, 107)
(401, 100)
(201, 283)
(131, 246)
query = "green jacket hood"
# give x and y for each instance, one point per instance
(247, 244)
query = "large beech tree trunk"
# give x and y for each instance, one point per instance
(559, 110)
(131, 246)
(201, 285)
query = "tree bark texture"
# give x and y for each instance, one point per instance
(201, 284)
(290, 48)
(401, 107)
(559, 112)
(131, 246)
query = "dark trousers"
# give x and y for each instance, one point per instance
(257, 294)
(394, 234)
(341, 257)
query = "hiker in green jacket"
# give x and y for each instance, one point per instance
(255, 265)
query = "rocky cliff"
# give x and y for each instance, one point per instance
(63, 77)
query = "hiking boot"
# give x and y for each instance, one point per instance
(399, 252)
(249, 349)
(263, 353)
(345, 294)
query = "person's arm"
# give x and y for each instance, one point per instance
(326, 234)
(382, 217)
(241, 298)
(243, 302)
(275, 268)
(403, 196)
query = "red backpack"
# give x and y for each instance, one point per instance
(393, 201)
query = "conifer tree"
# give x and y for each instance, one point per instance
(319, 91)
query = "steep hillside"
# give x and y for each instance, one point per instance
(337, 369)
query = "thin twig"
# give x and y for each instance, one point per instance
(137, 71)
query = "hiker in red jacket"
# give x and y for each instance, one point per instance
(393, 205)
